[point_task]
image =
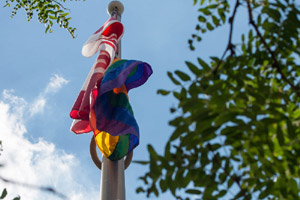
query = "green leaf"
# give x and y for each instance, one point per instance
(163, 185)
(17, 198)
(204, 64)
(177, 95)
(221, 193)
(65, 14)
(274, 14)
(205, 11)
(291, 129)
(201, 18)
(163, 92)
(209, 26)
(265, 193)
(178, 132)
(193, 191)
(141, 162)
(183, 76)
(222, 15)
(243, 37)
(152, 151)
(139, 190)
(176, 82)
(46, 30)
(193, 68)
(215, 20)
(294, 187)
(4, 193)
(52, 17)
(280, 136)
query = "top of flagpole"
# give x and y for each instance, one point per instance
(115, 6)
(115, 9)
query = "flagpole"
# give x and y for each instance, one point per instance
(112, 186)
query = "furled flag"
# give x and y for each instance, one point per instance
(114, 126)
(103, 105)
(104, 40)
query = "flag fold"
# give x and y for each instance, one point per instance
(102, 105)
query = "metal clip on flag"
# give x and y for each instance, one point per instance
(103, 107)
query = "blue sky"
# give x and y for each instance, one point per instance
(41, 75)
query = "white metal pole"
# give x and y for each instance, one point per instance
(112, 180)
(112, 186)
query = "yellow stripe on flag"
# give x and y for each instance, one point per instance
(106, 143)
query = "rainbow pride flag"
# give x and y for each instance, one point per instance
(111, 118)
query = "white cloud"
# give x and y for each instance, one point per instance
(38, 105)
(39, 163)
(19, 104)
(55, 84)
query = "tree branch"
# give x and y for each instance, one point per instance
(42, 188)
(230, 46)
(236, 179)
(276, 64)
(61, 5)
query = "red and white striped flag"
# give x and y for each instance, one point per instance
(104, 40)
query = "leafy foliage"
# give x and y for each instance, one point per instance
(4, 194)
(237, 119)
(48, 12)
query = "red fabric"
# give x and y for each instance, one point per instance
(81, 108)
(106, 40)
